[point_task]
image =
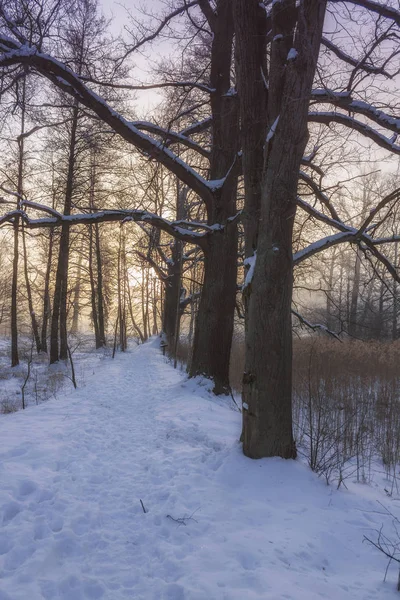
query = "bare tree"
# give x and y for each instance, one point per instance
(279, 59)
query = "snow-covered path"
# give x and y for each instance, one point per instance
(72, 527)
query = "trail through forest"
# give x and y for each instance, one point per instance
(77, 474)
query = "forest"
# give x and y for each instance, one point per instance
(223, 177)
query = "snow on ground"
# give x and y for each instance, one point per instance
(72, 527)
(43, 382)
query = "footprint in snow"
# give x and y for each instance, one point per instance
(10, 511)
(25, 488)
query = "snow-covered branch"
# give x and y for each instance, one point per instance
(327, 118)
(345, 101)
(351, 234)
(315, 326)
(170, 136)
(150, 86)
(361, 64)
(64, 78)
(106, 216)
(197, 127)
(383, 9)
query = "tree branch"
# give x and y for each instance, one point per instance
(346, 102)
(68, 81)
(326, 118)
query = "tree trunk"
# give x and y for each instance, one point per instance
(93, 291)
(14, 286)
(59, 316)
(267, 381)
(173, 288)
(46, 293)
(35, 328)
(144, 315)
(77, 295)
(134, 323)
(329, 304)
(355, 292)
(121, 292)
(395, 294)
(214, 324)
(215, 319)
(154, 290)
(100, 298)
(172, 294)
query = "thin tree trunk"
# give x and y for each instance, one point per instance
(121, 288)
(144, 315)
(46, 293)
(93, 290)
(395, 294)
(35, 328)
(14, 286)
(379, 323)
(100, 299)
(154, 290)
(59, 316)
(329, 303)
(76, 296)
(21, 159)
(355, 292)
(171, 313)
(134, 323)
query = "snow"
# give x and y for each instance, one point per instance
(271, 132)
(366, 130)
(359, 106)
(264, 78)
(292, 54)
(326, 92)
(75, 471)
(250, 263)
(321, 244)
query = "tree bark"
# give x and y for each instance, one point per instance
(215, 319)
(14, 310)
(267, 381)
(35, 328)
(59, 316)
(173, 287)
(46, 293)
(93, 291)
(329, 304)
(100, 297)
(395, 300)
(214, 324)
(355, 292)
(76, 297)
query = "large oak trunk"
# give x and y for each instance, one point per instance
(267, 382)
(214, 325)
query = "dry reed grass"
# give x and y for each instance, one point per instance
(346, 404)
